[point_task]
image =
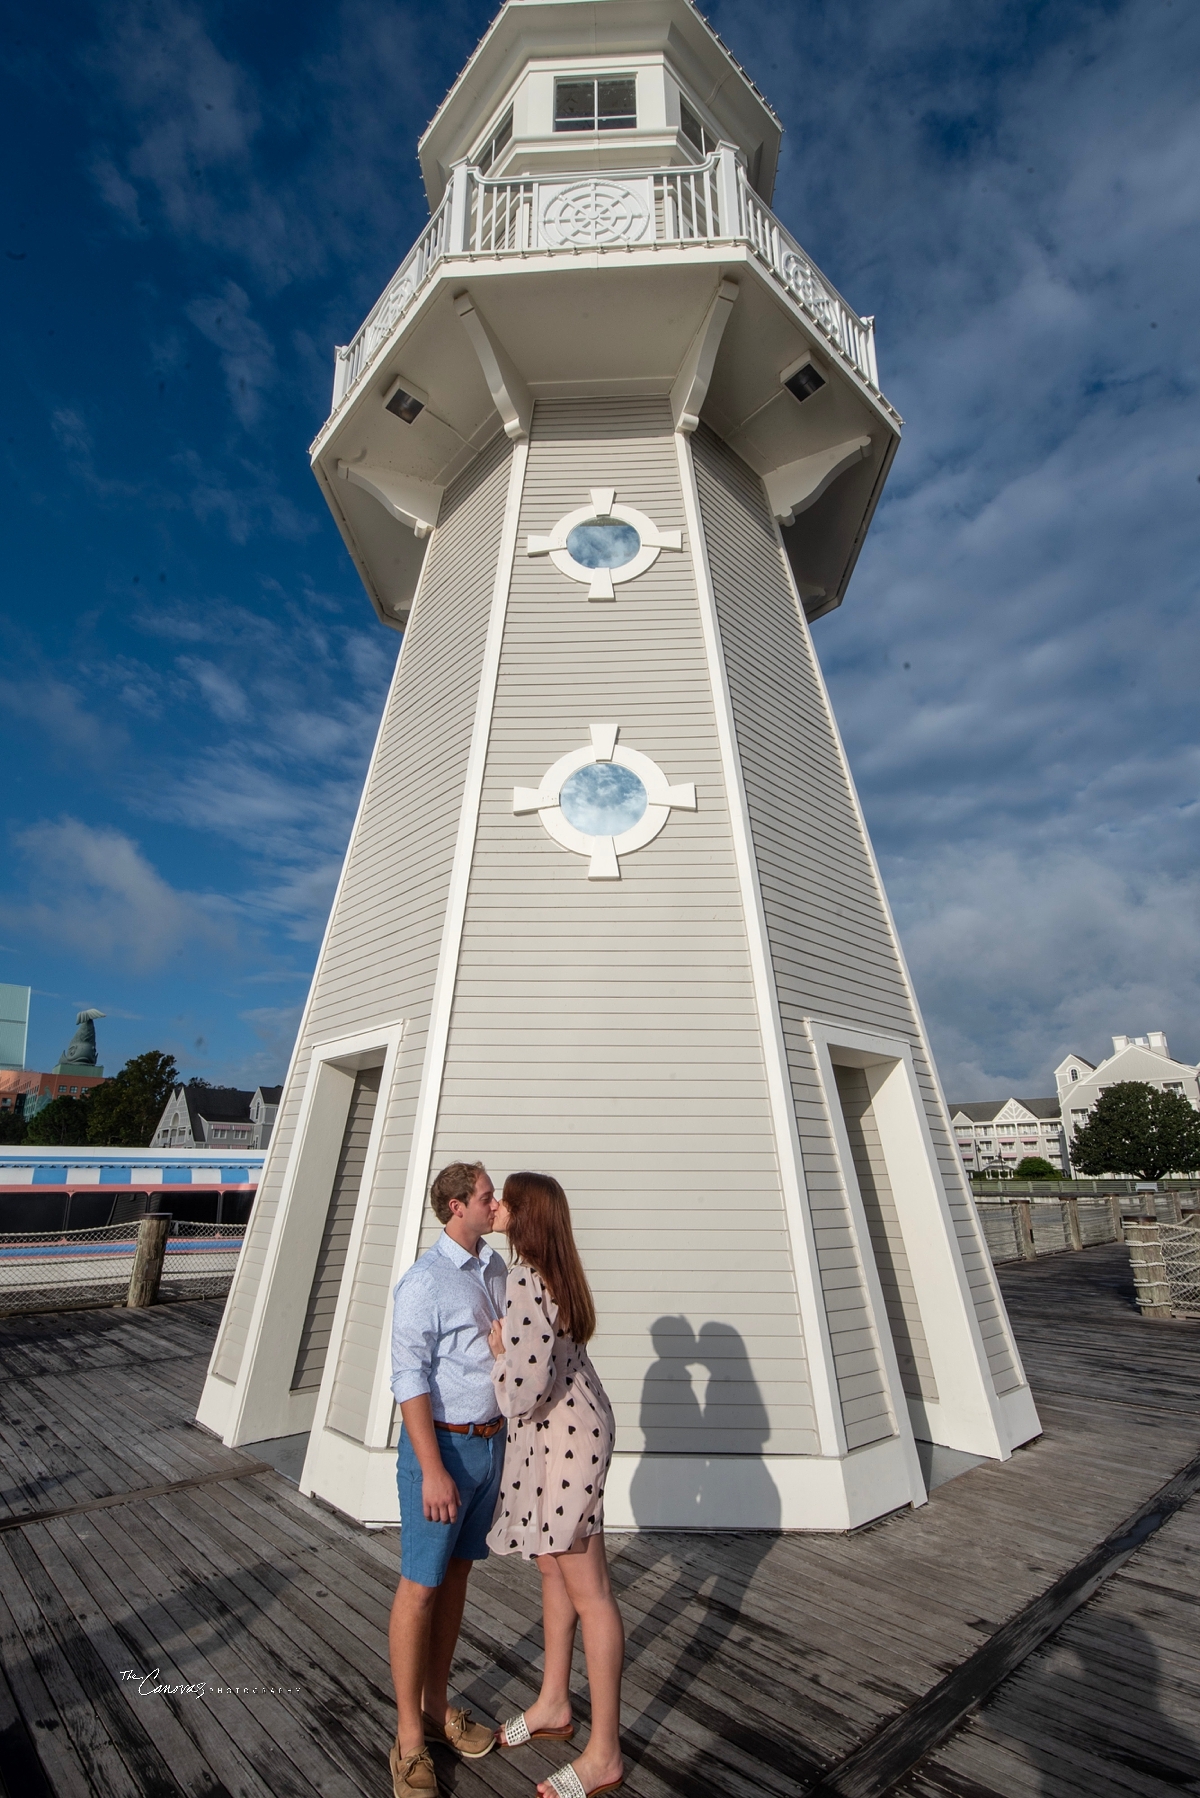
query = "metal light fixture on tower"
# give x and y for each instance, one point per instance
(606, 372)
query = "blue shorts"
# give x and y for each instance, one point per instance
(475, 1464)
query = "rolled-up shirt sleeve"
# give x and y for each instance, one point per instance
(415, 1331)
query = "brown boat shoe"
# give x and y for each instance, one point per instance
(471, 1740)
(412, 1774)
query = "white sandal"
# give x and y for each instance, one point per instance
(516, 1732)
(567, 1783)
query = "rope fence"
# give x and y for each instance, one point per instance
(59, 1270)
(1165, 1259)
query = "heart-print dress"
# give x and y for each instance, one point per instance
(560, 1430)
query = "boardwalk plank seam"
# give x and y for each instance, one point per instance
(875, 1767)
(241, 1472)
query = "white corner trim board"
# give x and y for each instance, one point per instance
(603, 850)
(429, 1094)
(814, 1323)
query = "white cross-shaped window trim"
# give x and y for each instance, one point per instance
(600, 582)
(661, 795)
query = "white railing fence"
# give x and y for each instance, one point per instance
(397, 297)
(774, 245)
(711, 202)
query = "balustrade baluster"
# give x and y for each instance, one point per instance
(711, 201)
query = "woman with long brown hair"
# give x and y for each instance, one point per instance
(551, 1505)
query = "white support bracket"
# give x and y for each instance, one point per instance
(691, 383)
(798, 485)
(511, 397)
(415, 503)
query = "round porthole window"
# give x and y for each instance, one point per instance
(603, 545)
(603, 799)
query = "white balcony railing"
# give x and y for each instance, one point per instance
(711, 203)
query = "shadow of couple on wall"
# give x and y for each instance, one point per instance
(694, 1586)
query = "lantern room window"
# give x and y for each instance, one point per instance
(694, 131)
(607, 103)
(495, 144)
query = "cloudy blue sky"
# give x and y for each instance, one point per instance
(211, 196)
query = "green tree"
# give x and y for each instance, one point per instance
(61, 1123)
(126, 1109)
(1036, 1167)
(12, 1124)
(1135, 1129)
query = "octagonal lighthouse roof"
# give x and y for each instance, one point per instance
(532, 47)
(599, 180)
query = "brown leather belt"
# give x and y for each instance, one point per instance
(467, 1429)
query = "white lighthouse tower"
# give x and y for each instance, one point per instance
(605, 447)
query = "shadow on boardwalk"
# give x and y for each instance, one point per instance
(756, 1658)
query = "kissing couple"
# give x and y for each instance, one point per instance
(506, 1440)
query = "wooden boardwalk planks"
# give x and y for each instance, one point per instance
(1110, 1706)
(756, 1664)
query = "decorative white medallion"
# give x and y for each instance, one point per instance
(604, 801)
(603, 545)
(594, 212)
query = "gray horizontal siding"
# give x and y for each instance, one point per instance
(380, 956)
(395, 916)
(607, 1032)
(792, 776)
(831, 941)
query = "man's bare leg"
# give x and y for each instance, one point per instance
(442, 1639)
(409, 1631)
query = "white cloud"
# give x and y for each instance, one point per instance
(224, 695)
(1017, 196)
(1022, 954)
(92, 890)
(247, 355)
(61, 714)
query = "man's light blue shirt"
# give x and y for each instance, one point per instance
(442, 1310)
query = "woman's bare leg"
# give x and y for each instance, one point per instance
(551, 1709)
(589, 1592)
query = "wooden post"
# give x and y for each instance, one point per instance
(1023, 1221)
(1149, 1268)
(1174, 1207)
(148, 1259)
(1114, 1206)
(1070, 1217)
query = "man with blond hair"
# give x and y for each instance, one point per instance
(448, 1467)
